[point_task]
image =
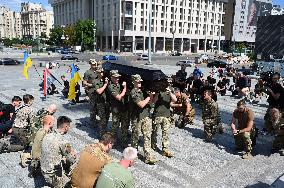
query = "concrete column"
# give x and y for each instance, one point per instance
(144, 39)
(154, 44)
(107, 47)
(190, 45)
(133, 44)
(112, 40)
(119, 43)
(205, 45)
(198, 47)
(164, 45)
(181, 47)
(101, 43)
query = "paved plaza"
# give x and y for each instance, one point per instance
(195, 164)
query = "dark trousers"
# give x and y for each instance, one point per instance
(19, 140)
(5, 127)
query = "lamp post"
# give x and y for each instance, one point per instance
(95, 42)
(149, 28)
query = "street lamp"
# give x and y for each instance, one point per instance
(95, 42)
(149, 28)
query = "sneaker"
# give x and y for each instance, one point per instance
(247, 156)
(167, 153)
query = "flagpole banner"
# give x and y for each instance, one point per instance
(45, 82)
(27, 64)
(75, 78)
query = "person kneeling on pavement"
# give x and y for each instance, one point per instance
(116, 175)
(243, 132)
(48, 122)
(278, 126)
(92, 159)
(183, 108)
(57, 155)
(211, 116)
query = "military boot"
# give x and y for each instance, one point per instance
(151, 160)
(167, 153)
(247, 156)
(24, 159)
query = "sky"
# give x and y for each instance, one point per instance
(16, 4)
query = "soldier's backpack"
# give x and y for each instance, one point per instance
(36, 123)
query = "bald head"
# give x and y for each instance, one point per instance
(52, 108)
(48, 121)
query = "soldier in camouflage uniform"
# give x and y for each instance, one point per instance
(119, 107)
(57, 153)
(183, 108)
(21, 129)
(210, 116)
(141, 119)
(47, 122)
(102, 100)
(88, 79)
(162, 118)
(278, 126)
(242, 133)
(36, 122)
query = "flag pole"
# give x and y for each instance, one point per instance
(45, 82)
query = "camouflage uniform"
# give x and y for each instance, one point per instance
(243, 140)
(21, 127)
(183, 120)
(119, 112)
(36, 123)
(89, 76)
(36, 151)
(162, 118)
(142, 122)
(102, 105)
(278, 143)
(54, 151)
(211, 118)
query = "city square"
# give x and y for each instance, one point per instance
(75, 73)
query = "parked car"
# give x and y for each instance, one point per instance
(9, 61)
(218, 64)
(143, 57)
(110, 57)
(187, 63)
(69, 57)
(246, 71)
(176, 54)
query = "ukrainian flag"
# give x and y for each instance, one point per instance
(75, 78)
(27, 64)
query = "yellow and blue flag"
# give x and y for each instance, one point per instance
(75, 78)
(27, 64)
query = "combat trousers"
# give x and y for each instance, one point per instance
(165, 124)
(92, 109)
(117, 118)
(144, 126)
(278, 143)
(56, 180)
(19, 140)
(103, 112)
(243, 141)
(210, 128)
(267, 121)
(35, 167)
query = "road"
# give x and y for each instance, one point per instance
(196, 163)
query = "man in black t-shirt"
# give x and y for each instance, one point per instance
(8, 112)
(275, 100)
(196, 88)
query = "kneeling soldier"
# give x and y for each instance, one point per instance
(242, 134)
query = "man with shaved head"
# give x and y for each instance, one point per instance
(48, 122)
(37, 121)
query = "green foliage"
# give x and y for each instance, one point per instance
(55, 36)
(82, 33)
(240, 47)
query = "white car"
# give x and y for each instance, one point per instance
(204, 57)
(143, 57)
(187, 63)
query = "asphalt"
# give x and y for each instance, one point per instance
(196, 163)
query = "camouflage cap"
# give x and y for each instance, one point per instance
(114, 73)
(136, 77)
(93, 62)
(99, 70)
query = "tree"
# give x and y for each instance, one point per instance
(240, 47)
(84, 31)
(55, 36)
(70, 32)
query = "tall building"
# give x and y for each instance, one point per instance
(176, 25)
(35, 20)
(10, 25)
(241, 18)
(70, 11)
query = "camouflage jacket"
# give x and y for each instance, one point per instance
(54, 150)
(23, 117)
(210, 111)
